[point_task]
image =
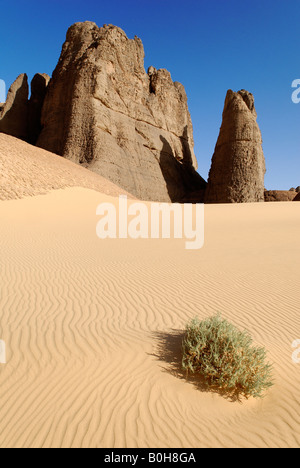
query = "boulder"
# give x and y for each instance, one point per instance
(238, 164)
(279, 195)
(103, 111)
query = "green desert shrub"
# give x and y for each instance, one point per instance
(225, 358)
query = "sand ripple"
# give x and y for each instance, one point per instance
(93, 328)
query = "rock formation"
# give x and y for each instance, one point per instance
(279, 195)
(18, 116)
(297, 198)
(103, 111)
(13, 116)
(238, 164)
(39, 85)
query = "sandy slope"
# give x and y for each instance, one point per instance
(93, 327)
(26, 170)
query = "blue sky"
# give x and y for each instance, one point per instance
(210, 46)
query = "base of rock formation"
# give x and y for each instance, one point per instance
(279, 195)
(297, 198)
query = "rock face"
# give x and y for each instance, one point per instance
(13, 116)
(103, 111)
(238, 164)
(279, 195)
(39, 85)
(297, 198)
(18, 116)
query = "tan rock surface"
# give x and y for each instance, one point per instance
(13, 115)
(20, 117)
(103, 111)
(238, 164)
(279, 195)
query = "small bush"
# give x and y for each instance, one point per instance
(225, 358)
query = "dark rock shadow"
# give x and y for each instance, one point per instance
(181, 178)
(169, 352)
(186, 149)
(39, 85)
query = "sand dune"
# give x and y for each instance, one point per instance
(26, 170)
(93, 327)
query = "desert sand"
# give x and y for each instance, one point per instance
(93, 327)
(26, 170)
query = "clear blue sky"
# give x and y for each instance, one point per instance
(207, 45)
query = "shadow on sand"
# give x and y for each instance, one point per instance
(169, 352)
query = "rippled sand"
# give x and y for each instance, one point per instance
(93, 327)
